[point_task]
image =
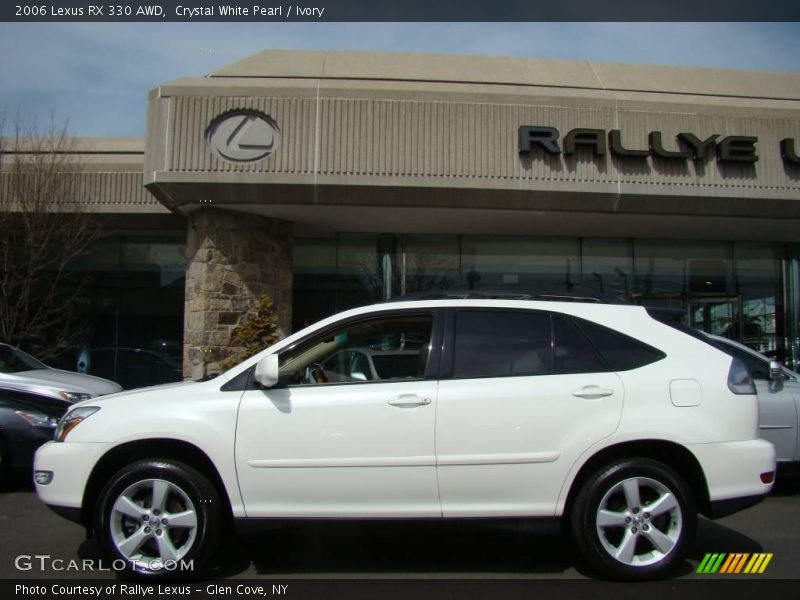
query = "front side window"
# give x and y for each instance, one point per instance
(378, 349)
(13, 360)
(502, 344)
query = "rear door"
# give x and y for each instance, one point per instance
(522, 395)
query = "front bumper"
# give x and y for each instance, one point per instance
(733, 473)
(71, 464)
(23, 443)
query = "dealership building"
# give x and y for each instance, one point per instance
(333, 179)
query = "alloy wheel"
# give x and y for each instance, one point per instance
(639, 521)
(153, 523)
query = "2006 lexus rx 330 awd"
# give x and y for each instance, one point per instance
(601, 415)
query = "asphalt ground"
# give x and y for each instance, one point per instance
(398, 550)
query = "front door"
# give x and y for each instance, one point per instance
(350, 431)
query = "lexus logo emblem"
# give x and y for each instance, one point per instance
(243, 136)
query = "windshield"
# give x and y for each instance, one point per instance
(13, 360)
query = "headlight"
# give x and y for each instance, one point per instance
(74, 396)
(37, 419)
(70, 420)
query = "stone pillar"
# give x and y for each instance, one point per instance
(233, 260)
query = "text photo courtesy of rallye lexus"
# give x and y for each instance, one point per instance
(618, 424)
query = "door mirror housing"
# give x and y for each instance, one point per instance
(267, 371)
(776, 371)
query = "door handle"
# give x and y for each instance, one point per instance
(592, 391)
(408, 400)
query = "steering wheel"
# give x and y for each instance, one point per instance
(315, 374)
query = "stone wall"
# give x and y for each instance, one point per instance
(233, 260)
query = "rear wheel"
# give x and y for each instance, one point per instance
(159, 518)
(633, 518)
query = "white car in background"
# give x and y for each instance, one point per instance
(622, 427)
(778, 390)
(19, 370)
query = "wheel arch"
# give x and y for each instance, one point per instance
(153, 449)
(674, 455)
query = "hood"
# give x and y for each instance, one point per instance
(67, 380)
(137, 392)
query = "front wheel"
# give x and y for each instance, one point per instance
(633, 518)
(159, 518)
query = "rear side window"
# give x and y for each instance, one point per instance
(572, 352)
(619, 352)
(502, 344)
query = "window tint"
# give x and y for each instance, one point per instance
(502, 344)
(377, 349)
(620, 352)
(572, 352)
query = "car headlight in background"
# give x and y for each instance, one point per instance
(74, 396)
(72, 419)
(37, 419)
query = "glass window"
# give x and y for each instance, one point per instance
(677, 267)
(758, 279)
(379, 349)
(619, 352)
(16, 361)
(502, 344)
(540, 264)
(607, 268)
(314, 290)
(572, 352)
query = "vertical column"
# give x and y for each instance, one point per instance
(233, 260)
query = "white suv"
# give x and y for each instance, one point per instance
(600, 415)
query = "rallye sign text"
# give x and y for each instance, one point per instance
(733, 148)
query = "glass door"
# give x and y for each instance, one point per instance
(719, 315)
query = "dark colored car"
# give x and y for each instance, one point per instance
(27, 421)
(135, 367)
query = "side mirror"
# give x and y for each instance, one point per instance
(776, 371)
(267, 371)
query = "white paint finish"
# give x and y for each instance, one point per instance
(71, 465)
(733, 469)
(685, 392)
(482, 423)
(505, 446)
(338, 450)
(496, 459)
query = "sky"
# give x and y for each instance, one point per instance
(95, 76)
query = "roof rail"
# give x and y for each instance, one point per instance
(505, 294)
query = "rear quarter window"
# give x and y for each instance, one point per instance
(619, 351)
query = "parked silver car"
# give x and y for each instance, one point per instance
(19, 370)
(778, 391)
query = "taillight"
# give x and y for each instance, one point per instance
(739, 380)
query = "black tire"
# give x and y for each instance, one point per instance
(185, 491)
(628, 541)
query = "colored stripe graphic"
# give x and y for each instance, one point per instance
(724, 563)
(758, 563)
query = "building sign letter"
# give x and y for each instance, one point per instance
(738, 148)
(546, 137)
(788, 152)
